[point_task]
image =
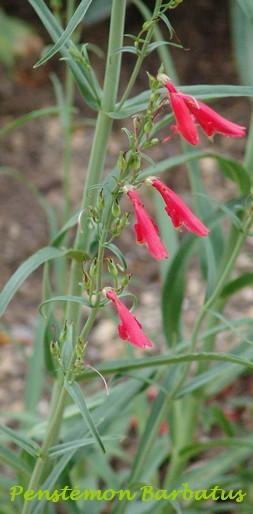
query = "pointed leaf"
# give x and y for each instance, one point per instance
(244, 280)
(91, 93)
(114, 249)
(14, 461)
(61, 449)
(21, 440)
(33, 115)
(31, 264)
(76, 394)
(75, 20)
(37, 506)
(66, 298)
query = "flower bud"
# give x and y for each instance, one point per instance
(116, 208)
(87, 282)
(125, 281)
(54, 349)
(93, 267)
(90, 223)
(147, 25)
(101, 200)
(124, 220)
(148, 126)
(121, 161)
(96, 216)
(112, 268)
(80, 348)
(116, 228)
(150, 143)
(135, 161)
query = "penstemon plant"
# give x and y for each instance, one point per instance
(77, 459)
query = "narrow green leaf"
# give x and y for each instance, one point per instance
(235, 441)
(37, 506)
(173, 291)
(244, 280)
(229, 167)
(33, 115)
(66, 298)
(81, 76)
(229, 213)
(247, 8)
(22, 441)
(220, 375)
(35, 373)
(99, 10)
(168, 233)
(126, 49)
(14, 461)
(226, 426)
(241, 14)
(213, 470)
(121, 366)
(212, 91)
(68, 225)
(76, 394)
(156, 44)
(61, 449)
(167, 23)
(31, 264)
(201, 92)
(75, 20)
(114, 249)
(231, 326)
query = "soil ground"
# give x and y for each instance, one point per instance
(35, 151)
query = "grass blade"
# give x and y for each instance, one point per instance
(75, 20)
(76, 394)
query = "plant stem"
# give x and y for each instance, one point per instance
(100, 141)
(163, 51)
(177, 463)
(141, 56)
(42, 460)
(94, 173)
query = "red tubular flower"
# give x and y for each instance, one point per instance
(210, 121)
(185, 124)
(179, 212)
(129, 328)
(186, 109)
(145, 229)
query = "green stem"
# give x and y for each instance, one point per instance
(100, 141)
(230, 255)
(141, 56)
(222, 280)
(163, 51)
(67, 104)
(177, 463)
(42, 460)
(94, 173)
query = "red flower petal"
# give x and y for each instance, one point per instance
(178, 211)
(146, 230)
(210, 121)
(185, 123)
(129, 329)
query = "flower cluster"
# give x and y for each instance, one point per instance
(188, 110)
(146, 230)
(147, 233)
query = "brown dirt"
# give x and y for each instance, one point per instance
(35, 150)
